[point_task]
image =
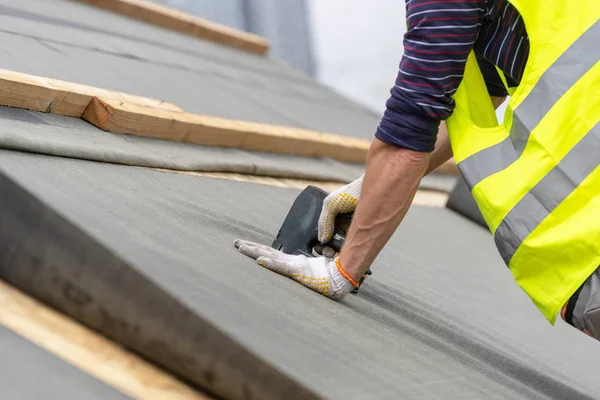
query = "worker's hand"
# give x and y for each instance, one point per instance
(325, 251)
(319, 274)
(343, 200)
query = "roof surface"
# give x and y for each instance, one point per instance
(150, 259)
(71, 137)
(78, 43)
(440, 317)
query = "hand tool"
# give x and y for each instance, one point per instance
(298, 233)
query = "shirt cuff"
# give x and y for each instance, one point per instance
(407, 136)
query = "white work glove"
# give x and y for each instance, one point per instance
(319, 274)
(340, 201)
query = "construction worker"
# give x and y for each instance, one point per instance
(535, 178)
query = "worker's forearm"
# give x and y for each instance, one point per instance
(391, 180)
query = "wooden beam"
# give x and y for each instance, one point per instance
(51, 95)
(184, 23)
(120, 117)
(87, 350)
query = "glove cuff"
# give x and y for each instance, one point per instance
(354, 188)
(343, 273)
(340, 281)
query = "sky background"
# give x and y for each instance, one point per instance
(358, 46)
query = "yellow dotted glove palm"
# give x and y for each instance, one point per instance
(343, 200)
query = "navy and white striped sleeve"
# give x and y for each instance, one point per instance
(440, 34)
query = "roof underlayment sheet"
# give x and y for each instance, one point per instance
(441, 317)
(28, 372)
(57, 135)
(87, 45)
(145, 257)
(75, 138)
(83, 44)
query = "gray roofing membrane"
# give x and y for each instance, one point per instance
(57, 135)
(75, 138)
(441, 316)
(146, 257)
(77, 43)
(28, 372)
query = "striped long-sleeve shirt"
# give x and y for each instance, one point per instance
(440, 34)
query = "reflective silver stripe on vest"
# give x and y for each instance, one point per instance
(571, 66)
(544, 197)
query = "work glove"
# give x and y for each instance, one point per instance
(342, 200)
(320, 274)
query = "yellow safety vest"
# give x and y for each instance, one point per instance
(535, 178)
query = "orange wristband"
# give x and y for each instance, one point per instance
(338, 264)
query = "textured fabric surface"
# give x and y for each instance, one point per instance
(28, 372)
(70, 137)
(440, 318)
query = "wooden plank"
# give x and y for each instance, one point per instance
(184, 23)
(120, 117)
(51, 95)
(87, 350)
